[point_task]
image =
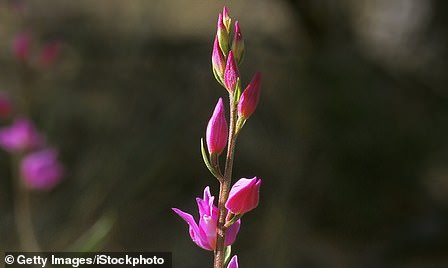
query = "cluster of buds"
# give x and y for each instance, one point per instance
(217, 227)
(38, 163)
(46, 56)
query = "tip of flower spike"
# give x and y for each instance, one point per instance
(226, 19)
(225, 12)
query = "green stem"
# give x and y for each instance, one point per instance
(224, 189)
(23, 217)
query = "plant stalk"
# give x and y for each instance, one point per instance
(23, 217)
(224, 189)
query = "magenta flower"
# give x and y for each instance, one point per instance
(244, 195)
(233, 262)
(41, 170)
(249, 99)
(238, 44)
(231, 73)
(21, 46)
(5, 105)
(217, 130)
(20, 136)
(50, 53)
(204, 232)
(218, 61)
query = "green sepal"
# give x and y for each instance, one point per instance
(207, 162)
(223, 41)
(227, 255)
(237, 92)
(233, 219)
(218, 77)
(240, 123)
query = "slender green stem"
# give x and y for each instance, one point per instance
(224, 189)
(23, 217)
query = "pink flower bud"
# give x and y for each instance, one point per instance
(226, 19)
(238, 44)
(233, 262)
(203, 233)
(249, 99)
(223, 35)
(5, 105)
(50, 53)
(20, 136)
(41, 170)
(243, 196)
(231, 73)
(217, 130)
(218, 62)
(21, 46)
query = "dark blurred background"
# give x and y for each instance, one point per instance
(350, 135)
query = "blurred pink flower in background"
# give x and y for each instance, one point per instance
(41, 170)
(5, 105)
(21, 46)
(20, 136)
(204, 234)
(49, 53)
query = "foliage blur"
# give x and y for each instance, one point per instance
(350, 136)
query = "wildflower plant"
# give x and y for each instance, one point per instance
(219, 225)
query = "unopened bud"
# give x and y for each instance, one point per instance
(238, 44)
(226, 19)
(223, 35)
(217, 130)
(218, 62)
(231, 73)
(249, 99)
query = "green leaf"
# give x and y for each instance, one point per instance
(227, 255)
(207, 162)
(217, 77)
(93, 238)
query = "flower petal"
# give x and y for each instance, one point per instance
(196, 234)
